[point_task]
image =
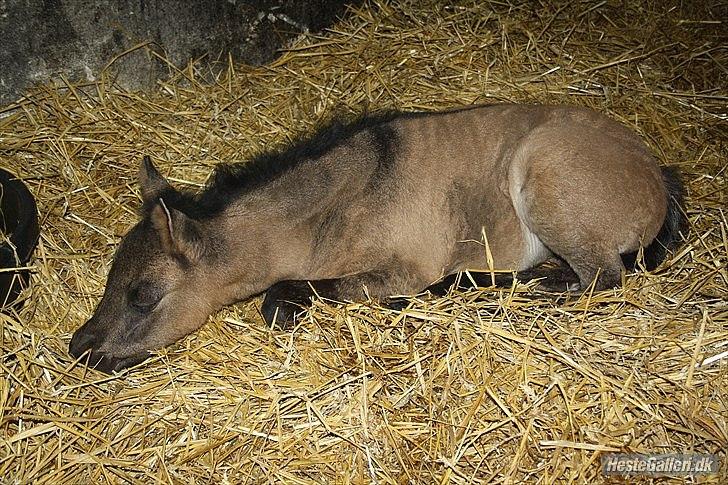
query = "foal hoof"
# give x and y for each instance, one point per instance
(284, 302)
(396, 303)
(280, 313)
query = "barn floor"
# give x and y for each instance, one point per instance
(488, 386)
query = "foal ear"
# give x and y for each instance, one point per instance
(151, 182)
(179, 234)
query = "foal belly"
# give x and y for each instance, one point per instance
(501, 243)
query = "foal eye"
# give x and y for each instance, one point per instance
(145, 296)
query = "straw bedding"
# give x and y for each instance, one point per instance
(487, 386)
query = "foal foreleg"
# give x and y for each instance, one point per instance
(286, 300)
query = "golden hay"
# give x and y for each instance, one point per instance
(486, 386)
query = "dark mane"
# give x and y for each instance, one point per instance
(229, 180)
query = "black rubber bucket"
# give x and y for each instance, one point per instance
(18, 236)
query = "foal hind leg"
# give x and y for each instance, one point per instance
(591, 255)
(580, 235)
(575, 235)
(557, 277)
(593, 264)
(286, 300)
(587, 250)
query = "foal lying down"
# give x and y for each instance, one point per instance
(387, 206)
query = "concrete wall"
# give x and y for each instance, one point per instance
(43, 39)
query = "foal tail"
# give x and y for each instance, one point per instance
(675, 223)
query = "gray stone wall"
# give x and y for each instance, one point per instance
(44, 39)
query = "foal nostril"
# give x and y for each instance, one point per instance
(80, 343)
